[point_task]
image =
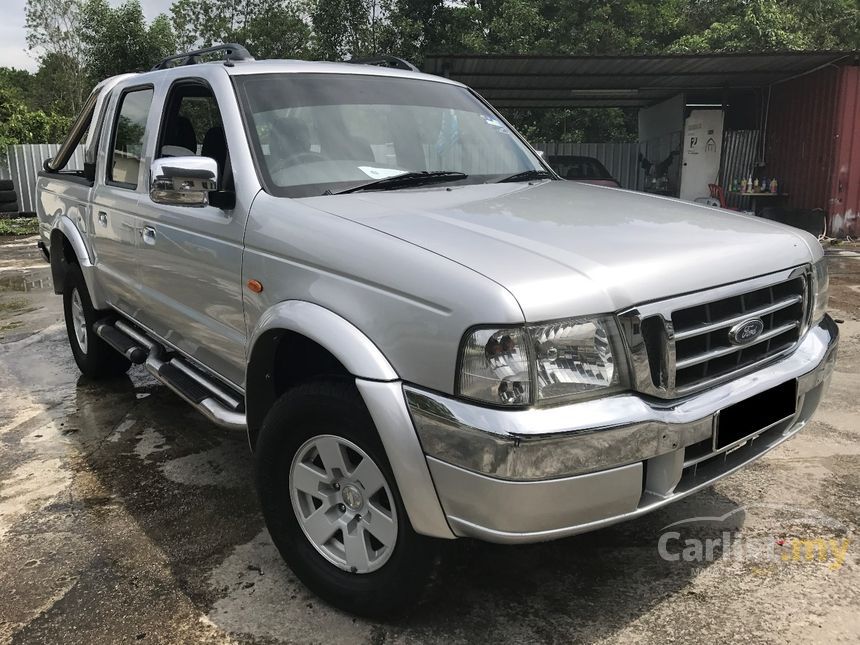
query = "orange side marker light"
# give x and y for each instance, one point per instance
(255, 285)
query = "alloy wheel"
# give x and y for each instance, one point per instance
(343, 503)
(79, 321)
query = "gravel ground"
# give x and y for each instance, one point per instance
(126, 517)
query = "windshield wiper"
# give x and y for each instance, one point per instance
(405, 180)
(527, 175)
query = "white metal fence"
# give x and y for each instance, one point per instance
(22, 164)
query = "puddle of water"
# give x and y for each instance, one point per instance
(27, 282)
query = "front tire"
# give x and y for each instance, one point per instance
(94, 357)
(332, 505)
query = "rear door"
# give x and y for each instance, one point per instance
(191, 257)
(119, 184)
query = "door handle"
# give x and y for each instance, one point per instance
(148, 234)
(102, 218)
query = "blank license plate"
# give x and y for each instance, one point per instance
(755, 413)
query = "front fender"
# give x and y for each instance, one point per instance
(347, 343)
(377, 382)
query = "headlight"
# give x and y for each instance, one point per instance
(820, 286)
(540, 363)
(494, 367)
(574, 356)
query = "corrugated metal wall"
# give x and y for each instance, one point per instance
(22, 164)
(620, 159)
(800, 137)
(739, 154)
(844, 202)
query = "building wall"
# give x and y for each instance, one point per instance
(662, 119)
(801, 135)
(844, 202)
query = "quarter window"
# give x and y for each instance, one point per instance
(129, 137)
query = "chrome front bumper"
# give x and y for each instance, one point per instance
(538, 474)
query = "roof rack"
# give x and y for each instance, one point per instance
(232, 52)
(386, 61)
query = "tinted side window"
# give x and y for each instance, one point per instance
(192, 126)
(129, 137)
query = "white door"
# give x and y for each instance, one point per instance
(703, 143)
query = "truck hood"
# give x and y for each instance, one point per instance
(565, 248)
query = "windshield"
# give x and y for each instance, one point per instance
(318, 133)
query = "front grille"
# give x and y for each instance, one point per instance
(683, 344)
(703, 350)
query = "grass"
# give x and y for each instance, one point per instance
(14, 306)
(19, 226)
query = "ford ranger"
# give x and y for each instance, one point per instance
(425, 333)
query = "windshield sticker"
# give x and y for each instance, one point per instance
(380, 173)
(494, 122)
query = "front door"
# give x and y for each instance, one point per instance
(191, 257)
(703, 143)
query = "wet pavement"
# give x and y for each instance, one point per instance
(126, 517)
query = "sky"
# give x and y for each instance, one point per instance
(13, 38)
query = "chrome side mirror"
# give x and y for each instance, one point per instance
(183, 181)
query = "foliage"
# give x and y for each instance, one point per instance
(54, 33)
(583, 125)
(344, 28)
(19, 226)
(118, 40)
(79, 42)
(769, 25)
(19, 124)
(267, 28)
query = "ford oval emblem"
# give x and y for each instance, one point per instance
(746, 331)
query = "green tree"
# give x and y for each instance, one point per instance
(268, 28)
(20, 124)
(15, 84)
(768, 25)
(118, 39)
(54, 33)
(346, 28)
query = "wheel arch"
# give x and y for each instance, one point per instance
(68, 247)
(296, 340)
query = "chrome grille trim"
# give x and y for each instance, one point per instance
(725, 351)
(728, 322)
(655, 362)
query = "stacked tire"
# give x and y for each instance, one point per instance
(8, 199)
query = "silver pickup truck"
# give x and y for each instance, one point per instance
(425, 333)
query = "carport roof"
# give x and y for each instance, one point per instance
(532, 81)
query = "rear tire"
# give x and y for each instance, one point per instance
(94, 357)
(332, 505)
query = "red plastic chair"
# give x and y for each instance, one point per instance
(719, 194)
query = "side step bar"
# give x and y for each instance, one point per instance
(217, 403)
(121, 342)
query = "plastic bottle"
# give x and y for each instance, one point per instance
(774, 186)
